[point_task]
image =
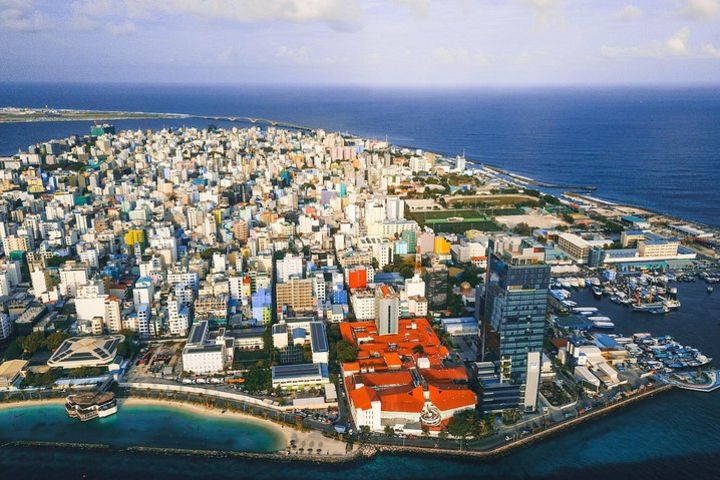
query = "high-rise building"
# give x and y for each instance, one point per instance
(436, 285)
(513, 323)
(387, 310)
(5, 326)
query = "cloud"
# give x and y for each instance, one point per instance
(21, 19)
(421, 8)
(338, 14)
(628, 12)
(300, 56)
(545, 10)
(678, 45)
(461, 56)
(701, 9)
(710, 51)
(124, 28)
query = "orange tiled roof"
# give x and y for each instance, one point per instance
(454, 374)
(451, 398)
(363, 397)
(385, 379)
(402, 400)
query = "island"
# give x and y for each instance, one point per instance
(362, 296)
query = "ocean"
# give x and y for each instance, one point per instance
(654, 148)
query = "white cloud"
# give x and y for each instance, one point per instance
(545, 10)
(300, 56)
(124, 28)
(338, 14)
(628, 12)
(21, 19)
(678, 45)
(710, 51)
(701, 9)
(461, 56)
(421, 8)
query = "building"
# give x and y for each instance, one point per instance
(11, 373)
(213, 308)
(297, 293)
(436, 284)
(319, 343)
(387, 310)
(5, 326)
(202, 355)
(575, 246)
(299, 376)
(363, 303)
(513, 323)
(78, 352)
(401, 380)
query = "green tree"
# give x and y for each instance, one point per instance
(33, 342)
(389, 432)
(257, 378)
(13, 350)
(523, 229)
(346, 352)
(54, 340)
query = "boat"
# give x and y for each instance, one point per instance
(585, 310)
(597, 291)
(88, 406)
(654, 307)
(710, 289)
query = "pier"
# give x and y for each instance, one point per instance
(711, 386)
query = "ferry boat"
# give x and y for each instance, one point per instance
(88, 406)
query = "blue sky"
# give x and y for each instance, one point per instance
(362, 42)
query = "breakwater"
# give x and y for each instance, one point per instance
(357, 454)
(365, 451)
(508, 447)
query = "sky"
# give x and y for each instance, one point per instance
(422, 43)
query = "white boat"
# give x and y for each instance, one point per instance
(585, 309)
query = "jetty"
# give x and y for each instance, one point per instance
(707, 387)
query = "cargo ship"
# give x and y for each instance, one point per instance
(88, 406)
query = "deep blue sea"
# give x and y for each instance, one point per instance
(655, 148)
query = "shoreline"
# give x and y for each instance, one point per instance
(331, 449)
(362, 451)
(478, 164)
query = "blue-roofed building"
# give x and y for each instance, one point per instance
(636, 222)
(299, 376)
(261, 307)
(319, 343)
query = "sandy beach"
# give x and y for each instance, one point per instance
(310, 440)
(30, 403)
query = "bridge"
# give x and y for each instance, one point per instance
(253, 120)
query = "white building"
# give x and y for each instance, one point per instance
(5, 326)
(200, 356)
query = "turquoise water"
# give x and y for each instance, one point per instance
(139, 425)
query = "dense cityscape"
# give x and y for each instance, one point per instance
(366, 297)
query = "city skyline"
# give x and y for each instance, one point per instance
(372, 43)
